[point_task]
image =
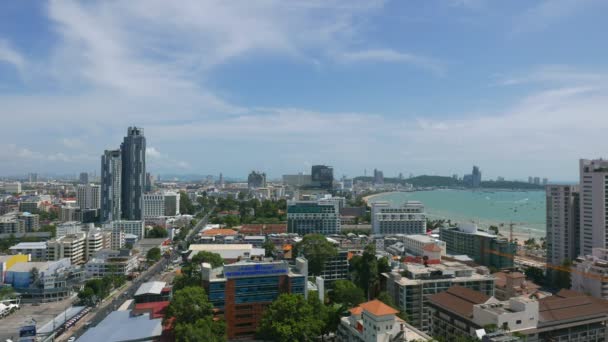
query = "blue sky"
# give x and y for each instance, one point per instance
(425, 87)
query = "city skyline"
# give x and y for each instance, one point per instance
(429, 88)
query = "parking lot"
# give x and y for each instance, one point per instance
(42, 314)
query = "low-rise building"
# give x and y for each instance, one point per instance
(415, 244)
(375, 321)
(590, 273)
(29, 206)
(125, 326)
(70, 246)
(513, 284)
(36, 250)
(229, 252)
(484, 248)
(243, 290)
(565, 316)
(109, 262)
(152, 291)
(411, 284)
(52, 280)
(406, 219)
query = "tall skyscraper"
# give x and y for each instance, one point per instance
(563, 226)
(88, 196)
(378, 177)
(111, 185)
(256, 180)
(593, 194)
(133, 150)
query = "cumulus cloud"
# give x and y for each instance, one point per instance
(11, 56)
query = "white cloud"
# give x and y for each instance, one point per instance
(153, 153)
(389, 55)
(11, 56)
(552, 75)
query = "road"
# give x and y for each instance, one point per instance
(99, 313)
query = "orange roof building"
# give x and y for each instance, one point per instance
(219, 231)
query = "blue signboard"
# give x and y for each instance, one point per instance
(253, 270)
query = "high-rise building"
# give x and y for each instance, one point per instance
(133, 151)
(256, 180)
(149, 182)
(154, 205)
(88, 196)
(111, 185)
(84, 178)
(313, 217)
(221, 181)
(322, 176)
(545, 181)
(476, 179)
(593, 199)
(33, 177)
(406, 219)
(378, 177)
(563, 226)
(69, 246)
(172, 203)
(536, 180)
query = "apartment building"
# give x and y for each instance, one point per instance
(71, 246)
(407, 219)
(313, 217)
(563, 223)
(37, 250)
(109, 262)
(590, 273)
(243, 290)
(593, 197)
(411, 284)
(484, 248)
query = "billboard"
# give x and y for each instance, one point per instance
(255, 270)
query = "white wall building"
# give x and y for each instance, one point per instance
(70, 227)
(12, 188)
(37, 250)
(154, 205)
(88, 196)
(590, 274)
(415, 244)
(70, 246)
(593, 197)
(136, 228)
(407, 219)
(108, 262)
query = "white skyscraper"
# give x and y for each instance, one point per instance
(88, 196)
(593, 197)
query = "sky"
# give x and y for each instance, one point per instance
(517, 87)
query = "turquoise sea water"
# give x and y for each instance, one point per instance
(526, 209)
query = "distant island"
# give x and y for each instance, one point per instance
(425, 181)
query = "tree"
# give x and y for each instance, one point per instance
(536, 275)
(185, 204)
(269, 248)
(347, 293)
(153, 254)
(201, 330)
(329, 315)
(562, 275)
(493, 229)
(385, 298)
(317, 250)
(213, 258)
(290, 318)
(6, 292)
(157, 232)
(365, 269)
(194, 316)
(189, 305)
(231, 221)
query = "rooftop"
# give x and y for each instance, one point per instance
(459, 300)
(567, 305)
(29, 245)
(378, 308)
(27, 266)
(121, 326)
(213, 232)
(152, 287)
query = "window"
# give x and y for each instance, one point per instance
(518, 321)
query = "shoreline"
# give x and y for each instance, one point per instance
(521, 231)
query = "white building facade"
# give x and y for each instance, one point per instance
(406, 219)
(593, 197)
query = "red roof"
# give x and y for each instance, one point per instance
(219, 231)
(263, 229)
(377, 308)
(156, 309)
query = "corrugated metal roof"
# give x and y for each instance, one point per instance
(152, 287)
(121, 326)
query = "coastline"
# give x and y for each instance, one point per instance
(524, 227)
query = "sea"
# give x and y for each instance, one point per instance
(525, 209)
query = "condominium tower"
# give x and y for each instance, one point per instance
(88, 196)
(593, 197)
(133, 150)
(563, 230)
(111, 185)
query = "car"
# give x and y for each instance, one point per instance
(72, 339)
